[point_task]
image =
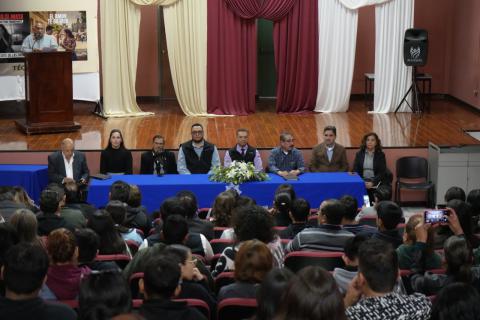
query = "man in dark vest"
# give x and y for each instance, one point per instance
(243, 152)
(197, 155)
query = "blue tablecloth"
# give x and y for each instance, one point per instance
(314, 187)
(33, 178)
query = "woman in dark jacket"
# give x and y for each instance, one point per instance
(115, 158)
(370, 163)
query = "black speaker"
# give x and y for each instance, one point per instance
(415, 47)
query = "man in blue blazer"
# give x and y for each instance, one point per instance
(68, 165)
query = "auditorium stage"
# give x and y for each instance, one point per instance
(444, 124)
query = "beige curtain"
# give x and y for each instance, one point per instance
(186, 32)
(120, 24)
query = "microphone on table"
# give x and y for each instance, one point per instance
(158, 165)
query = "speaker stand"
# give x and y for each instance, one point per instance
(416, 106)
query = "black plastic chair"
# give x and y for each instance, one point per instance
(413, 168)
(236, 309)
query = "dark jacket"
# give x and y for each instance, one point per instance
(391, 236)
(238, 289)
(153, 309)
(167, 159)
(137, 218)
(8, 208)
(49, 222)
(379, 166)
(291, 231)
(116, 161)
(56, 167)
(204, 227)
(64, 280)
(34, 309)
(193, 162)
(237, 156)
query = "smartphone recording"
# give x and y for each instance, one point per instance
(436, 216)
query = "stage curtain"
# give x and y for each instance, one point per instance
(231, 61)
(392, 77)
(120, 24)
(186, 33)
(296, 58)
(357, 4)
(336, 55)
(245, 9)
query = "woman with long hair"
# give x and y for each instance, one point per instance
(26, 225)
(111, 242)
(115, 158)
(69, 43)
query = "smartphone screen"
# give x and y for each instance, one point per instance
(436, 216)
(366, 201)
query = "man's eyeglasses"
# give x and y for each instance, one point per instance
(197, 132)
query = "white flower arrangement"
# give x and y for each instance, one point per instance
(238, 172)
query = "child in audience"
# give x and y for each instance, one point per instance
(382, 193)
(348, 222)
(299, 215)
(118, 212)
(281, 209)
(343, 276)
(456, 301)
(389, 216)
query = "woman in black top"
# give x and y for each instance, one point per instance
(370, 163)
(115, 158)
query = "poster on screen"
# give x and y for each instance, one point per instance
(67, 28)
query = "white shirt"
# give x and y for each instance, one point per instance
(68, 166)
(46, 42)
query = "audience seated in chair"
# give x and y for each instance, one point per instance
(25, 224)
(473, 199)
(252, 262)
(221, 213)
(49, 217)
(104, 295)
(118, 212)
(250, 222)
(111, 242)
(370, 294)
(349, 222)
(161, 283)
(195, 224)
(382, 193)
(282, 204)
(270, 292)
(137, 215)
(411, 247)
(88, 242)
(455, 193)
(64, 274)
(311, 295)
(328, 235)
(389, 216)
(299, 215)
(456, 301)
(73, 215)
(21, 196)
(24, 271)
(8, 203)
(73, 200)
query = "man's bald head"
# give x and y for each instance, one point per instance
(67, 148)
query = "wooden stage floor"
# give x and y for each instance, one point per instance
(444, 124)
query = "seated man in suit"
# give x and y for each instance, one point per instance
(329, 156)
(243, 152)
(68, 165)
(153, 161)
(197, 155)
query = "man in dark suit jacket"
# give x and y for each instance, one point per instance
(68, 165)
(329, 156)
(152, 159)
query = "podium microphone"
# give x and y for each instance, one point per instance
(158, 165)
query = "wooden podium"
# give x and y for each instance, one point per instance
(48, 93)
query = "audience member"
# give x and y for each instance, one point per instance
(415, 229)
(370, 163)
(8, 204)
(389, 216)
(21, 196)
(116, 158)
(120, 190)
(299, 215)
(222, 209)
(137, 215)
(270, 293)
(49, 217)
(370, 294)
(252, 262)
(158, 159)
(311, 295)
(24, 272)
(161, 283)
(118, 212)
(473, 199)
(26, 226)
(286, 160)
(88, 242)
(64, 274)
(288, 188)
(328, 235)
(281, 209)
(382, 193)
(197, 155)
(349, 222)
(103, 295)
(73, 200)
(111, 242)
(243, 152)
(455, 193)
(456, 301)
(8, 238)
(343, 276)
(195, 224)
(72, 215)
(250, 223)
(329, 156)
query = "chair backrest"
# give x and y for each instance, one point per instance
(120, 259)
(140, 232)
(133, 282)
(218, 245)
(224, 279)
(198, 304)
(217, 231)
(285, 242)
(71, 303)
(236, 309)
(279, 228)
(132, 245)
(203, 212)
(213, 260)
(412, 168)
(298, 260)
(369, 221)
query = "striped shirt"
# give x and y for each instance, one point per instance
(325, 237)
(281, 161)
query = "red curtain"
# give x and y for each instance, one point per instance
(232, 54)
(296, 58)
(231, 61)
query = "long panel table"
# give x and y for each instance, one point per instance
(33, 178)
(314, 187)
